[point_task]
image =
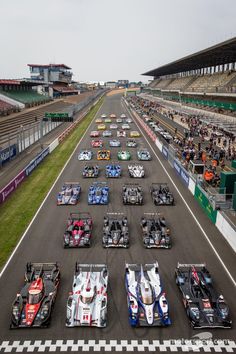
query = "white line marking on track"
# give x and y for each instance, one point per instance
(43, 202)
(174, 345)
(186, 204)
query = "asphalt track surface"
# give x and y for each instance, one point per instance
(43, 243)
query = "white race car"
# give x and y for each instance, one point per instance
(121, 133)
(85, 155)
(87, 304)
(136, 171)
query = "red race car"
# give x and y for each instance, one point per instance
(78, 231)
(97, 143)
(94, 134)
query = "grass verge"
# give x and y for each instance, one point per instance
(18, 210)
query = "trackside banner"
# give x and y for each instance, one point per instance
(36, 161)
(205, 204)
(165, 152)
(6, 191)
(7, 154)
(181, 172)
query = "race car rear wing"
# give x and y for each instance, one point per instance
(90, 268)
(137, 267)
(189, 265)
(164, 184)
(71, 183)
(35, 270)
(80, 215)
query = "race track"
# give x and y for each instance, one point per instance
(43, 243)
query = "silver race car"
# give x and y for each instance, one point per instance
(132, 194)
(115, 231)
(155, 232)
(144, 155)
(131, 143)
(85, 155)
(136, 171)
(87, 303)
(114, 143)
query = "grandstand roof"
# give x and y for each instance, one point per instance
(25, 82)
(9, 82)
(222, 53)
(49, 66)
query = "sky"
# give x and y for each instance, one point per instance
(104, 40)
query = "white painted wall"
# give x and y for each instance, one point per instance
(191, 185)
(53, 145)
(11, 101)
(226, 229)
(158, 144)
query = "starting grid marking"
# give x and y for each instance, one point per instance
(207, 346)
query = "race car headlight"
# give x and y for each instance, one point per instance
(194, 313)
(44, 311)
(16, 312)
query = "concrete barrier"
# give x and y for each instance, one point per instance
(53, 145)
(191, 185)
(226, 229)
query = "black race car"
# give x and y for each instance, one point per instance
(132, 194)
(115, 231)
(90, 171)
(161, 194)
(154, 230)
(32, 306)
(205, 308)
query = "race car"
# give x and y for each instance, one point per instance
(113, 126)
(104, 116)
(132, 194)
(113, 171)
(119, 120)
(125, 126)
(33, 305)
(129, 120)
(155, 232)
(112, 115)
(147, 303)
(115, 231)
(98, 193)
(85, 155)
(87, 302)
(97, 143)
(161, 194)
(106, 133)
(98, 120)
(90, 171)
(107, 120)
(205, 308)
(131, 143)
(78, 230)
(123, 115)
(134, 134)
(114, 143)
(101, 126)
(121, 134)
(136, 171)
(94, 134)
(103, 155)
(69, 194)
(124, 155)
(143, 155)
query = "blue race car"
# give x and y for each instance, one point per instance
(98, 194)
(113, 171)
(147, 304)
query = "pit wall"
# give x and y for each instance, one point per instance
(217, 217)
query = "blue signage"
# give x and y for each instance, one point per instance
(181, 172)
(7, 154)
(36, 161)
(165, 151)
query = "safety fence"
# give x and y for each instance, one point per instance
(6, 191)
(211, 201)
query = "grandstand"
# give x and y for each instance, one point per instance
(204, 79)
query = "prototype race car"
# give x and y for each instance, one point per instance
(123, 115)
(125, 126)
(103, 155)
(87, 303)
(129, 120)
(115, 231)
(205, 308)
(33, 305)
(119, 120)
(161, 194)
(143, 155)
(147, 303)
(124, 155)
(94, 134)
(136, 171)
(121, 133)
(69, 194)
(90, 171)
(104, 115)
(107, 120)
(112, 115)
(134, 134)
(154, 230)
(131, 143)
(97, 143)
(113, 171)
(132, 194)
(85, 155)
(101, 126)
(78, 230)
(113, 126)
(98, 120)
(114, 143)
(106, 133)
(98, 193)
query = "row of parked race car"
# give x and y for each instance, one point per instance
(98, 193)
(142, 155)
(146, 299)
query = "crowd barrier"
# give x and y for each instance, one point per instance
(216, 216)
(6, 191)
